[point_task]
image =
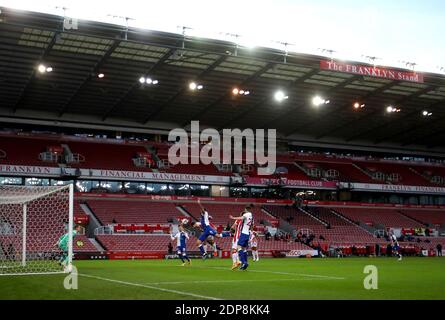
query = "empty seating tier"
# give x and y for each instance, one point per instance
(24, 151)
(82, 244)
(328, 216)
(107, 156)
(292, 215)
(127, 211)
(375, 217)
(221, 212)
(427, 216)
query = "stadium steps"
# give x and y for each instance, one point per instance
(283, 225)
(94, 221)
(185, 212)
(341, 216)
(362, 225)
(269, 214)
(66, 149)
(419, 174)
(150, 149)
(286, 227)
(96, 244)
(314, 216)
(411, 218)
(301, 168)
(362, 170)
(367, 228)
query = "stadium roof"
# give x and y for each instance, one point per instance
(73, 94)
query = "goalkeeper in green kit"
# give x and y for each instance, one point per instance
(62, 244)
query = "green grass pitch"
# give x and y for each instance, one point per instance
(283, 279)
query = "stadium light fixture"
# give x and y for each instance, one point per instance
(195, 86)
(148, 80)
(426, 113)
(358, 105)
(243, 92)
(280, 96)
(318, 101)
(100, 75)
(44, 69)
(41, 68)
(392, 109)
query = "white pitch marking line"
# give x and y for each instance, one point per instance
(150, 287)
(225, 281)
(283, 273)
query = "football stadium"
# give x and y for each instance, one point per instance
(149, 165)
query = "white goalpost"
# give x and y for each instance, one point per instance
(32, 220)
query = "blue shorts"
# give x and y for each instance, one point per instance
(208, 231)
(243, 240)
(395, 248)
(181, 250)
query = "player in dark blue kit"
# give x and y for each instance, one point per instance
(181, 245)
(207, 231)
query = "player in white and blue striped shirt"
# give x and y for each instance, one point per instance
(181, 245)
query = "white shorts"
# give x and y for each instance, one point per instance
(253, 244)
(235, 244)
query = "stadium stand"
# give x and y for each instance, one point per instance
(209, 169)
(294, 216)
(26, 151)
(434, 174)
(82, 244)
(160, 242)
(392, 173)
(346, 172)
(107, 156)
(339, 231)
(428, 217)
(263, 244)
(135, 242)
(134, 216)
(220, 212)
(293, 172)
(327, 216)
(127, 211)
(375, 217)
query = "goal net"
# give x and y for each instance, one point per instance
(32, 220)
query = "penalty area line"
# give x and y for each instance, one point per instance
(149, 287)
